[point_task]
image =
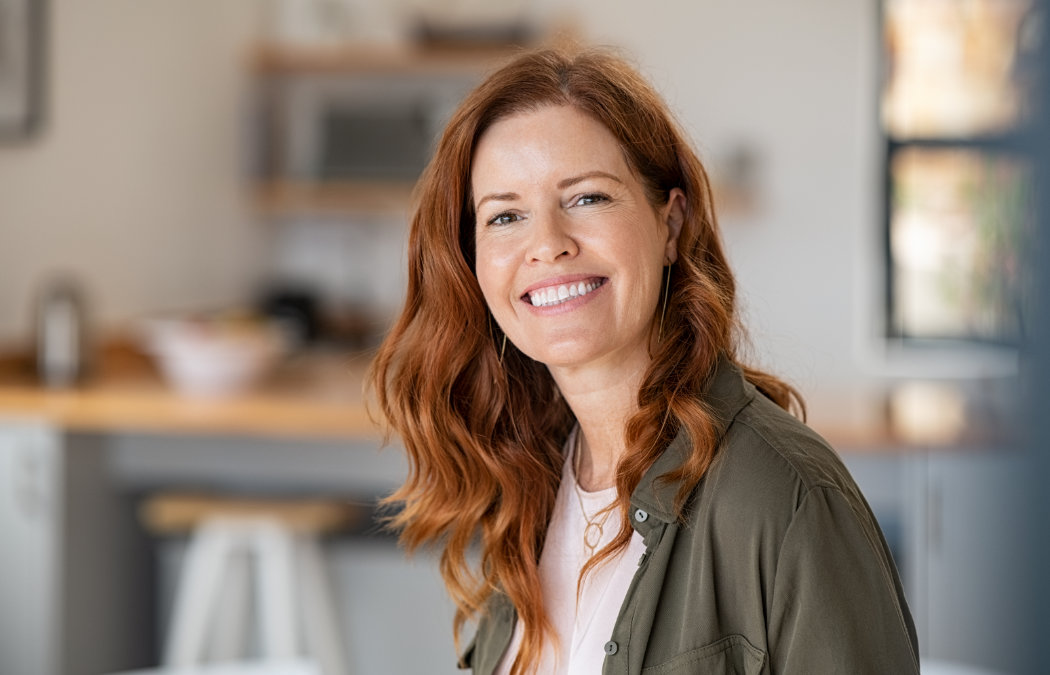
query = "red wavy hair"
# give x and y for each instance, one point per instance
(484, 438)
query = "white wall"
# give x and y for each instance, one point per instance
(134, 185)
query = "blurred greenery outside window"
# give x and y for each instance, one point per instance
(955, 104)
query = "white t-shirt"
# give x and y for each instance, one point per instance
(582, 629)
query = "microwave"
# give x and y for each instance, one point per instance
(355, 126)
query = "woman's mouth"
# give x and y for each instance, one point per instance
(557, 294)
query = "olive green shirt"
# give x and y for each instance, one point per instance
(776, 566)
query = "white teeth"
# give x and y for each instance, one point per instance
(545, 297)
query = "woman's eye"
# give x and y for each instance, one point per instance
(504, 219)
(586, 200)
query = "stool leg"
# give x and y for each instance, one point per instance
(229, 630)
(209, 547)
(276, 590)
(319, 617)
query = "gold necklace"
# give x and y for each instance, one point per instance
(592, 534)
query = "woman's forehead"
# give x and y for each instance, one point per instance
(557, 142)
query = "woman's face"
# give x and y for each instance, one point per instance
(570, 253)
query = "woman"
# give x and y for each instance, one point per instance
(565, 381)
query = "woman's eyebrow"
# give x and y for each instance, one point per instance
(564, 183)
(496, 196)
(569, 182)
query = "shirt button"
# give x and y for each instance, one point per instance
(641, 516)
(611, 647)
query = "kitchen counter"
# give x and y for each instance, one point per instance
(311, 394)
(319, 394)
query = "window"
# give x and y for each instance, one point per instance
(954, 111)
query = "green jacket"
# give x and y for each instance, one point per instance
(777, 565)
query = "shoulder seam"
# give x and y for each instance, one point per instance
(808, 482)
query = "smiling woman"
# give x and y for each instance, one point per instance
(565, 380)
(560, 210)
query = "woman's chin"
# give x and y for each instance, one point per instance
(572, 357)
(562, 355)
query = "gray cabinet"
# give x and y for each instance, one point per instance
(74, 569)
(960, 526)
(971, 539)
(29, 557)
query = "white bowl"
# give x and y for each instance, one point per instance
(205, 358)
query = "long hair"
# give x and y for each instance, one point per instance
(483, 428)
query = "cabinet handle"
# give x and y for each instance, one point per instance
(934, 516)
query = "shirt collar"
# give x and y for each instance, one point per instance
(726, 393)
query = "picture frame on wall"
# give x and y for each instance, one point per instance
(21, 67)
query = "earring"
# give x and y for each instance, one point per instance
(503, 342)
(663, 310)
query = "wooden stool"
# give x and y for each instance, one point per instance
(294, 605)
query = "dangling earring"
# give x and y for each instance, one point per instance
(667, 291)
(503, 343)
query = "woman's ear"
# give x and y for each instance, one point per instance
(673, 215)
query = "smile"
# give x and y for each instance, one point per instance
(556, 295)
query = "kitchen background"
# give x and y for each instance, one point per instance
(220, 160)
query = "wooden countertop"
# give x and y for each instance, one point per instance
(318, 394)
(312, 394)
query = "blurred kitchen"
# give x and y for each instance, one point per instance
(203, 212)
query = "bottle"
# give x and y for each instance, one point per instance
(61, 340)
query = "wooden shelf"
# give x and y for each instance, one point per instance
(431, 67)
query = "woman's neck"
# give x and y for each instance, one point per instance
(602, 402)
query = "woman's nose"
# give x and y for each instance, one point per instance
(551, 239)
